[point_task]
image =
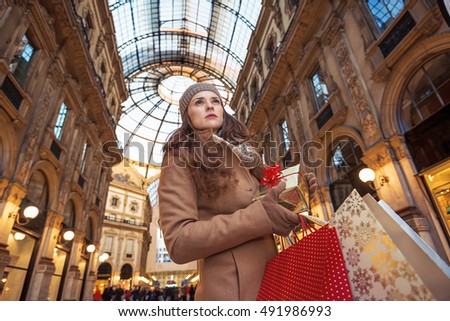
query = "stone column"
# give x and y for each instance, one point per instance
(89, 284)
(40, 284)
(73, 274)
(45, 268)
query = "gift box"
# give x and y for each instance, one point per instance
(294, 196)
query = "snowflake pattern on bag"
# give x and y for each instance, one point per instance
(377, 270)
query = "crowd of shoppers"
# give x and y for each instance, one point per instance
(116, 293)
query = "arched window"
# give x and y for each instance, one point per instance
(427, 91)
(343, 166)
(38, 189)
(423, 113)
(37, 195)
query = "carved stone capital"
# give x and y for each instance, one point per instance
(399, 148)
(14, 193)
(46, 265)
(377, 156)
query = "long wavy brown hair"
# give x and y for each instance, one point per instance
(203, 156)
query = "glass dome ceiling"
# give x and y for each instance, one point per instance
(167, 45)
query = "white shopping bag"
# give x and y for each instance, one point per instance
(376, 266)
(433, 271)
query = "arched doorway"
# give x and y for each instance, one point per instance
(104, 273)
(343, 166)
(126, 276)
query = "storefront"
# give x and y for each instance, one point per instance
(429, 144)
(425, 120)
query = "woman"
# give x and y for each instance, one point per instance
(205, 199)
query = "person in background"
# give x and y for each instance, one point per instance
(97, 294)
(208, 182)
(107, 294)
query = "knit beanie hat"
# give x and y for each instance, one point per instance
(194, 89)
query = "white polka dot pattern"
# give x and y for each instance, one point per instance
(313, 269)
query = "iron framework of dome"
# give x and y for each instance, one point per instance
(165, 46)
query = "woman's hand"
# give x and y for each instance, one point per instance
(283, 221)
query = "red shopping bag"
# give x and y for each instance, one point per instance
(313, 269)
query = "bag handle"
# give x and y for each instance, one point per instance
(313, 219)
(306, 228)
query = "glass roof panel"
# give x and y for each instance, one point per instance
(166, 45)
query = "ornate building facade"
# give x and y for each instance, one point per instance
(338, 86)
(126, 227)
(60, 92)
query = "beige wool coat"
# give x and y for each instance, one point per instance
(230, 236)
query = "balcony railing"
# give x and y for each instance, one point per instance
(113, 219)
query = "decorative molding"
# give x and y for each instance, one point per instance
(65, 186)
(425, 28)
(46, 154)
(292, 95)
(370, 128)
(278, 17)
(330, 33)
(258, 61)
(74, 187)
(431, 25)
(336, 120)
(102, 39)
(371, 132)
(26, 158)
